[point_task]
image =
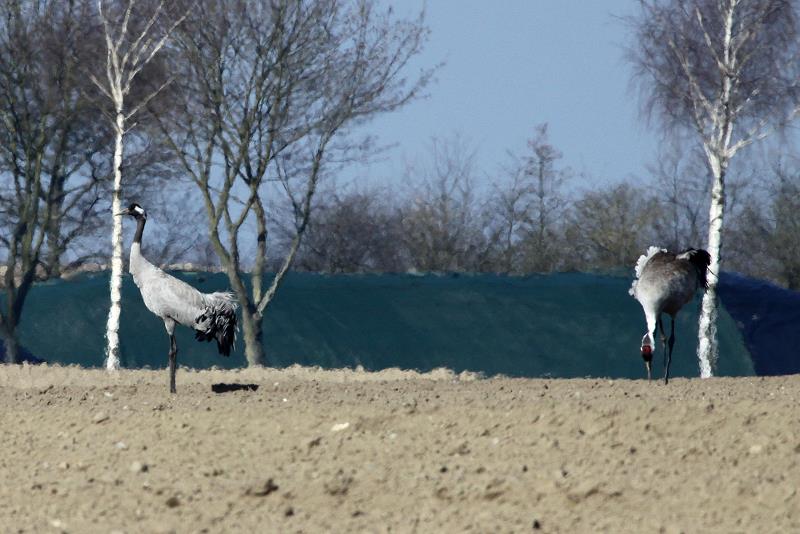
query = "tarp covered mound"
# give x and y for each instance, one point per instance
(769, 319)
(561, 325)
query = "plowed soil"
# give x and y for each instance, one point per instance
(352, 451)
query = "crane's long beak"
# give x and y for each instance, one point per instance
(126, 211)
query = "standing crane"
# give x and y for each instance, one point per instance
(664, 283)
(210, 315)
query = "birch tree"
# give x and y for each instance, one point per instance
(128, 51)
(271, 92)
(726, 70)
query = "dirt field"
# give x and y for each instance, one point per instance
(347, 451)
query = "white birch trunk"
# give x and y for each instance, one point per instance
(719, 154)
(112, 328)
(707, 346)
(122, 66)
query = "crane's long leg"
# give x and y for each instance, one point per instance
(173, 358)
(671, 344)
(663, 339)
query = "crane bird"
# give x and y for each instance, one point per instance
(210, 315)
(664, 283)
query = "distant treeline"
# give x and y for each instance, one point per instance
(539, 217)
(536, 216)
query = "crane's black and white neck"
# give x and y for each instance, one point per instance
(138, 213)
(210, 315)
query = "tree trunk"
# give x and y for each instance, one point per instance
(55, 249)
(707, 346)
(52, 263)
(12, 350)
(253, 338)
(11, 345)
(112, 329)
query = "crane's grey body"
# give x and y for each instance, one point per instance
(210, 315)
(173, 300)
(664, 283)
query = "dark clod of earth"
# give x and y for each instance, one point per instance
(262, 490)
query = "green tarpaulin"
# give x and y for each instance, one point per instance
(561, 325)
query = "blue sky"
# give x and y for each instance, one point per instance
(512, 64)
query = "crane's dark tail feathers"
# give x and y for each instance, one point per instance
(218, 321)
(701, 259)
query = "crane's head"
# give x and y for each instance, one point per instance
(135, 211)
(647, 353)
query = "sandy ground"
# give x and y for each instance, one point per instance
(347, 451)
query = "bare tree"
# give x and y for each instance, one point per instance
(128, 51)
(357, 231)
(178, 230)
(682, 187)
(541, 244)
(766, 233)
(527, 210)
(508, 209)
(727, 70)
(441, 222)
(609, 228)
(271, 91)
(49, 146)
